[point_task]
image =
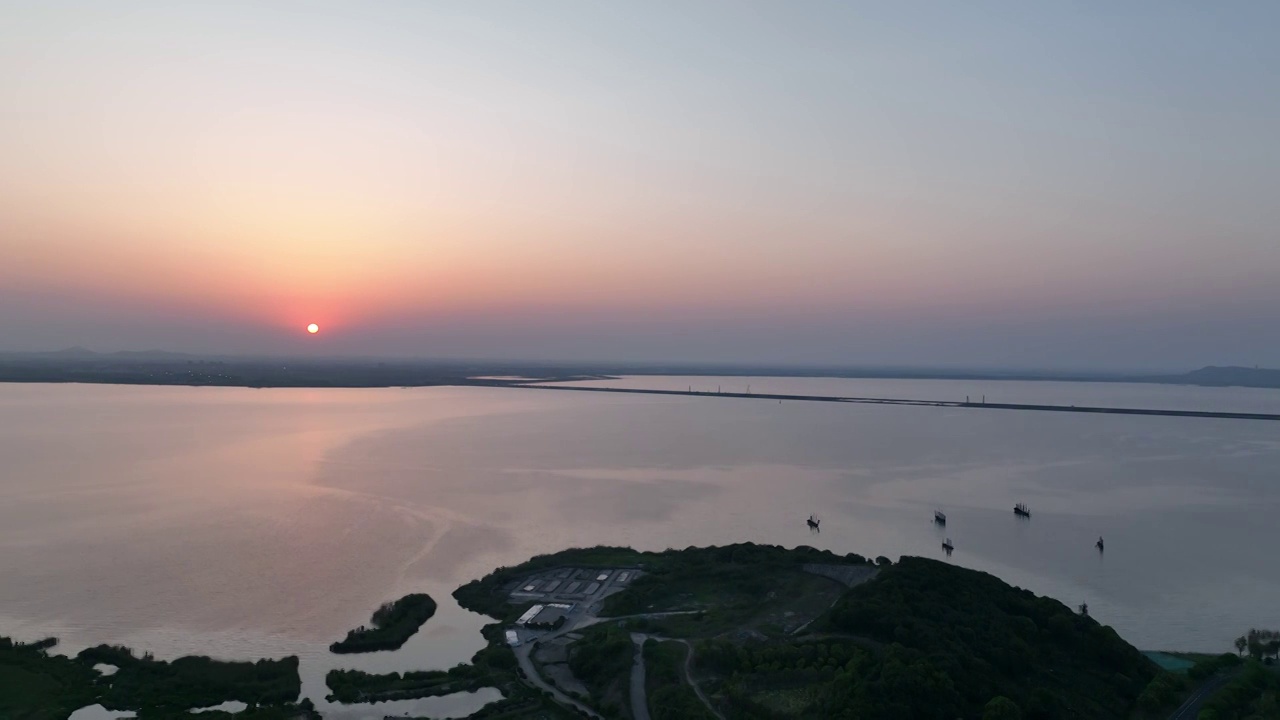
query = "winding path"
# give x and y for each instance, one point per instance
(639, 698)
(688, 678)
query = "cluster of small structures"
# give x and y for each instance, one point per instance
(561, 596)
(545, 617)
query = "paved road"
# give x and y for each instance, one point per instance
(531, 676)
(1191, 708)
(639, 699)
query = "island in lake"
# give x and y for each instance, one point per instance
(743, 631)
(36, 684)
(391, 626)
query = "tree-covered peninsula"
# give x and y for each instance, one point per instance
(391, 626)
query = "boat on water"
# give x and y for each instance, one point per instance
(939, 517)
(946, 545)
(1021, 510)
(1099, 544)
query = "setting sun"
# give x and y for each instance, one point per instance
(313, 328)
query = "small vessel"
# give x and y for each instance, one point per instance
(939, 517)
(1099, 544)
(814, 522)
(1021, 510)
(946, 545)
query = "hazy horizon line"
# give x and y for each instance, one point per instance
(617, 363)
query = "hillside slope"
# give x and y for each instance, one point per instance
(966, 637)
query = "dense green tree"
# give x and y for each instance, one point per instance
(1251, 694)
(994, 640)
(1161, 692)
(392, 625)
(1268, 706)
(36, 685)
(923, 640)
(602, 659)
(193, 681)
(1001, 708)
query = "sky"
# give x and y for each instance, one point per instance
(1011, 184)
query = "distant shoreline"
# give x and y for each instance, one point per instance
(170, 369)
(303, 374)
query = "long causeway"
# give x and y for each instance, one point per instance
(920, 403)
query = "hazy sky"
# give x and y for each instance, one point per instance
(1065, 184)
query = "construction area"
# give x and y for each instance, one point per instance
(573, 585)
(563, 596)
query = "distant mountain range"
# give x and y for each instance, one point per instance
(78, 351)
(1231, 376)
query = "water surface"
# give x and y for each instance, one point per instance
(259, 523)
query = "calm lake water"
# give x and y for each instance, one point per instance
(256, 523)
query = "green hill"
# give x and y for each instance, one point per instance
(963, 637)
(774, 635)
